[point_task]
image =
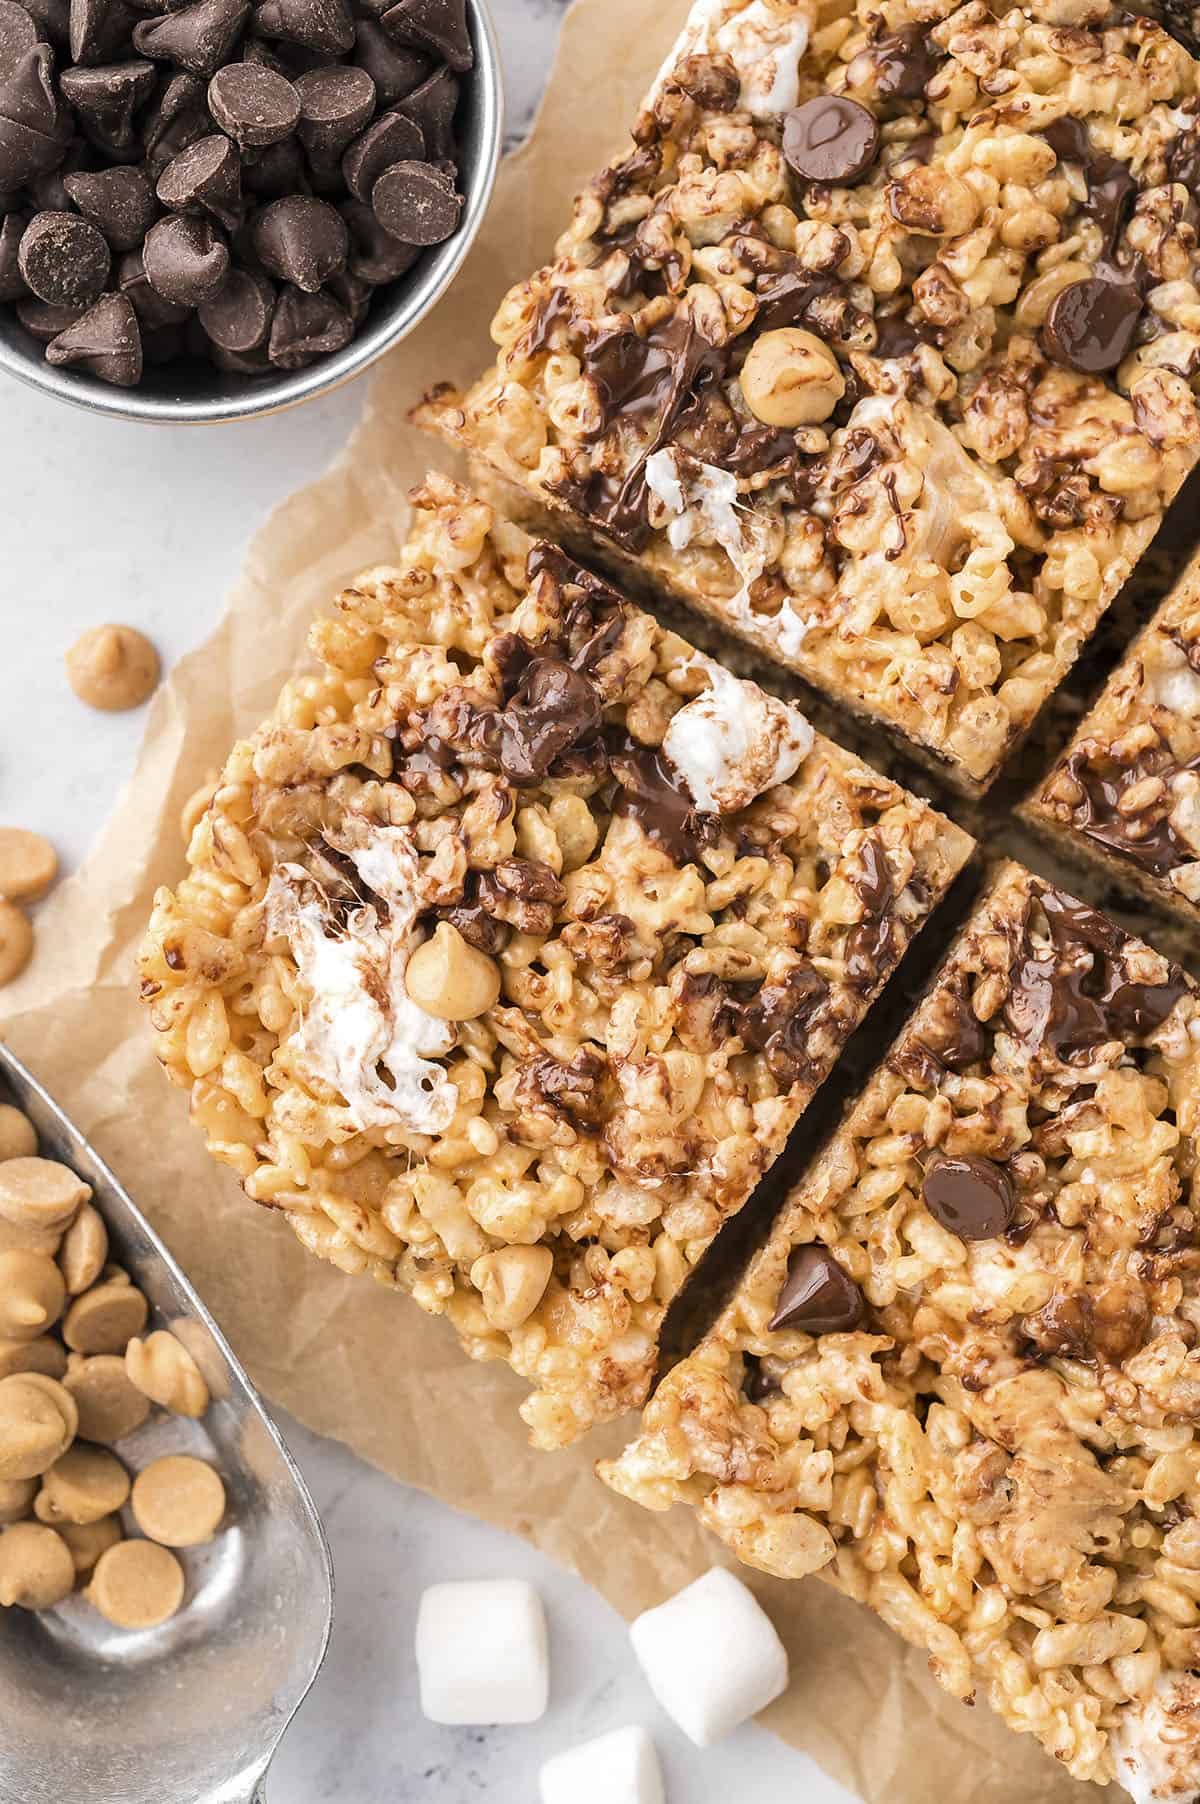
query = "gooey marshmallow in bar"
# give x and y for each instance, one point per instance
(878, 345)
(515, 941)
(961, 1381)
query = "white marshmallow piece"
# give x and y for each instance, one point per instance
(618, 1768)
(711, 1656)
(481, 1652)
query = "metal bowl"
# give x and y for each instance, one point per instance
(194, 394)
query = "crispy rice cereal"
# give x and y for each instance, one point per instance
(961, 1380)
(878, 346)
(626, 999)
(1125, 795)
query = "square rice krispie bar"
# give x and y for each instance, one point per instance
(1125, 795)
(514, 943)
(962, 1379)
(878, 346)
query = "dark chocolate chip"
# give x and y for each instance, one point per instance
(34, 128)
(205, 178)
(177, 119)
(162, 344)
(106, 343)
(276, 171)
(238, 317)
(45, 320)
(375, 256)
(301, 240)
(255, 105)
(105, 100)
(432, 106)
(1091, 325)
(186, 259)
(335, 105)
(306, 326)
(323, 25)
(416, 204)
(198, 38)
(830, 139)
(395, 70)
(154, 313)
(18, 34)
(119, 201)
(392, 138)
(970, 1196)
(46, 192)
(53, 20)
(438, 27)
(12, 282)
(98, 30)
(242, 363)
(64, 259)
(350, 292)
(817, 1295)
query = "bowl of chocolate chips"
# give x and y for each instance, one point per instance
(213, 209)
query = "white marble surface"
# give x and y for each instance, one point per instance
(103, 521)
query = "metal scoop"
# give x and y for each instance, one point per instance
(191, 1712)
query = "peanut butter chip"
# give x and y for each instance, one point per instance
(28, 865)
(178, 1501)
(165, 1371)
(84, 1250)
(88, 1540)
(16, 941)
(82, 1486)
(28, 1238)
(110, 1407)
(32, 1294)
(105, 1320)
(37, 1424)
(40, 1192)
(36, 1568)
(18, 1136)
(112, 668)
(16, 1498)
(136, 1585)
(45, 1355)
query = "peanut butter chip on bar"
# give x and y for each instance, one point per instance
(113, 668)
(18, 1136)
(162, 1368)
(110, 1407)
(32, 1294)
(178, 1501)
(37, 1424)
(136, 1585)
(28, 866)
(83, 1251)
(85, 1484)
(105, 1320)
(36, 1568)
(16, 941)
(40, 1192)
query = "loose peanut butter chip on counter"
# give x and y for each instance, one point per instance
(16, 1498)
(16, 941)
(164, 1370)
(36, 1568)
(178, 1501)
(85, 1484)
(105, 1320)
(88, 1540)
(40, 1193)
(136, 1585)
(18, 1136)
(28, 865)
(110, 1407)
(45, 1355)
(112, 668)
(37, 1424)
(32, 1294)
(83, 1251)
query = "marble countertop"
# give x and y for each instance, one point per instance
(99, 523)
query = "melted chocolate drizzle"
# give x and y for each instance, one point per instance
(1157, 850)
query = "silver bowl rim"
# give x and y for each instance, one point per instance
(396, 319)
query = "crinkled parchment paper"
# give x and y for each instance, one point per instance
(350, 1359)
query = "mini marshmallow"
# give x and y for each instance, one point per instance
(481, 1652)
(618, 1768)
(711, 1656)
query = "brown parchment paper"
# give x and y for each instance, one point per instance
(348, 1358)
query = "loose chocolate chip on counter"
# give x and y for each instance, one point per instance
(154, 313)
(415, 203)
(63, 259)
(375, 256)
(34, 127)
(302, 240)
(197, 38)
(254, 104)
(335, 105)
(323, 25)
(205, 178)
(392, 138)
(44, 320)
(238, 317)
(395, 70)
(98, 29)
(1091, 325)
(970, 1196)
(106, 342)
(18, 33)
(120, 202)
(432, 106)
(186, 259)
(439, 27)
(12, 282)
(818, 1296)
(830, 139)
(307, 326)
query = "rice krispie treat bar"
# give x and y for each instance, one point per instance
(1125, 795)
(961, 1381)
(515, 941)
(878, 346)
